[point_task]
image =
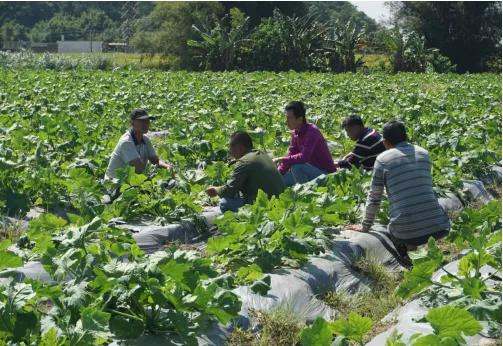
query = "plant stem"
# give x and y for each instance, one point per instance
(126, 315)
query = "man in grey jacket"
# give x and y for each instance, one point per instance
(405, 170)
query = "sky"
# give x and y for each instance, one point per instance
(373, 9)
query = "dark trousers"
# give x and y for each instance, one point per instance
(402, 244)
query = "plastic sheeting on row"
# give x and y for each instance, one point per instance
(493, 176)
(151, 238)
(7, 222)
(477, 191)
(407, 316)
(296, 290)
(450, 203)
(215, 335)
(31, 270)
(473, 190)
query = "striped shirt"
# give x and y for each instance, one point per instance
(405, 171)
(368, 146)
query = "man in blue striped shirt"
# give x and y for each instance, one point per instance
(405, 170)
(369, 144)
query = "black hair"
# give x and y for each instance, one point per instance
(242, 138)
(352, 120)
(298, 109)
(394, 132)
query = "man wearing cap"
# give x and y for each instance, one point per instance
(134, 148)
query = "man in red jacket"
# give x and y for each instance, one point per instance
(308, 155)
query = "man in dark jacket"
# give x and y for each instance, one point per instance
(254, 170)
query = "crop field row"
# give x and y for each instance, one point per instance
(58, 129)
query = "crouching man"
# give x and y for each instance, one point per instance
(134, 148)
(254, 170)
(308, 155)
(405, 170)
(368, 144)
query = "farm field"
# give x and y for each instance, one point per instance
(57, 130)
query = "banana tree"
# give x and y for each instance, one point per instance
(407, 51)
(217, 46)
(345, 40)
(303, 39)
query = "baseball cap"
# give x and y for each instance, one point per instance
(140, 114)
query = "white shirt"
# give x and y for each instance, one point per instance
(127, 150)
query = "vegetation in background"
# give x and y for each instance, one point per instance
(277, 36)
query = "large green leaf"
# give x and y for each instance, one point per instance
(453, 322)
(8, 259)
(354, 328)
(320, 333)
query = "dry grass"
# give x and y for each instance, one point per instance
(495, 190)
(375, 303)
(10, 230)
(278, 328)
(449, 249)
(149, 61)
(241, 337)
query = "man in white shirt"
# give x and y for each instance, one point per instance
(134, 148)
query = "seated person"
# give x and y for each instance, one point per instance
(369, 144)
(134, 148)
(308, 155)
(405, 171)
(254, 170)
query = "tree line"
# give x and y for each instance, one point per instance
(277, 36)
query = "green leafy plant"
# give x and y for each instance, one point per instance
(286, 229)
(449, 324)
(352, 329)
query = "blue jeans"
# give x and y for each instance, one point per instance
(301, 173)
(231, 203)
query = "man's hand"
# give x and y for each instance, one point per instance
(356, 228)
(212, 191)
(139, 165)
(278, 159)
(166, 165)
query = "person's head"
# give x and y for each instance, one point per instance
(240, 144)
(295, 115)
(140, 120)
(354, 126)
(393, 133)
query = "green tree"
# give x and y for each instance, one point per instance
(342, 12)
(408, 52)
(40, 32)
(13, 31)
(468, 32)
(287, 43)
(264, 49)
(345, 39)
(217, 46)
(258, 10)
(62, 24)
(168, 28)
(93, 23)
